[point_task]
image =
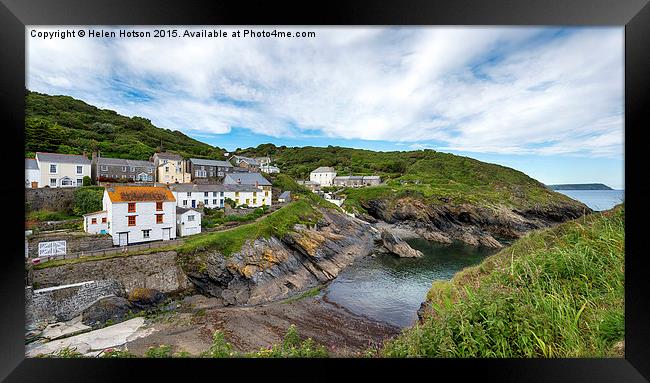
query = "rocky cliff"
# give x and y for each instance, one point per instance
(472, 224)
(268, 269)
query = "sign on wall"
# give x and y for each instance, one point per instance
(51, 248)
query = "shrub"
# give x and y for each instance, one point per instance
(87, 181)
(162, 351)
(87, 200)
(220, 348)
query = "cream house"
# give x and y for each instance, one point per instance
(171, 168)
(323, 175)
(62, 170)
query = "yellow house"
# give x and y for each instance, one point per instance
(172, 172)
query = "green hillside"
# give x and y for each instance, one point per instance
(63, 124)
(427, 174)
(555, 293)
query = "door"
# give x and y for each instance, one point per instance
(34, 185)
(166, 233)
(124, 239)
(193, 203)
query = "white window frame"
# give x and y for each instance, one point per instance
(56, 169)
(55, 182)
(184, 202)
(80, 182)
(190, 218)
(124, 168)
(104, 168)
(80, 169)
(146, 233)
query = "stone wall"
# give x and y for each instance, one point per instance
(156, 271)
(55, 199)
(75, 241)
(66, 302)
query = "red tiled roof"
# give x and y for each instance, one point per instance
(140, 194)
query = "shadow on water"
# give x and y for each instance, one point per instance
(390, 289)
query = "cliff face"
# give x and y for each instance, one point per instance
(269, 269)
(475, 225)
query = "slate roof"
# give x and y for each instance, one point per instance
(285, 194)
(204, 162)
(324, 169)
(246, 179)
(201, 188)
(139, 194)
(63, 158)
(169, 156)
(183, 210)
(94, 213)
(31, 163)
(123, 162)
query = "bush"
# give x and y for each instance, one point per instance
(162, 351)
(87, 181)
(220, 348)
(87, 200)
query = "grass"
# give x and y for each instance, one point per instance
(48, 215)
(217, 218)
(230, 241)
(309, 293)
(554, 293)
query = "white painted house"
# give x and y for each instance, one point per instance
(96, 223)
(214, 195)
(323, 175)
(188, 221)
(62, 170)
(140, 214)
(32, 173)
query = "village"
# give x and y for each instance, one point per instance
(165, 198)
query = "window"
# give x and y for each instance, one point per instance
(132, 169)
(159, 205)
(184, 202)
(66, 182)
(146, 233)
(254, 201)
(52, 168)
(123, 168)
(93, 221)
(200, 173)
(221, 194)
(214, 201)
(53, 182)
(254, 194)
(237, 201)
(248, 201)
(189, 194)
(205, 194)
(103, 219)
(236, 194)
(105, 168)
(205, 201)
(131, 220)
(190, 218)
(159, 218)
(214, 194)
(80, 182)
(266, 194)
(131, 207)
(80, 169)
(166, 169)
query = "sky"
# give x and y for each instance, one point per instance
(546, 101)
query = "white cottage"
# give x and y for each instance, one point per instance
(323, 175)
(96, 223)
(62, 170)
(188, 221)
(32, 173)
(214, 195)
(140, 214)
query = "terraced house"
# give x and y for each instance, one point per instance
(171, 168)
(215, 195)
(209, 169)
(106, 169)
(61, 170)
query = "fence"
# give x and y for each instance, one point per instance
(114, 250)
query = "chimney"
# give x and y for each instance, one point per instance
(238, 181)
(257, 184)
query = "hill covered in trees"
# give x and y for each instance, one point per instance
(62, 124)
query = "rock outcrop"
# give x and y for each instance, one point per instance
(269, 269)
(474, 225)
(397, 246)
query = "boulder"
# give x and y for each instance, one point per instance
(144, 298)
(104, 309)
(397, 246)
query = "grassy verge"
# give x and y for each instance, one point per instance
(554, 293)
(70, 261)
(276, 224)
(48, 215)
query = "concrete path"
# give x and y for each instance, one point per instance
(93, 342)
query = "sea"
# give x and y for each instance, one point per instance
(597, 200)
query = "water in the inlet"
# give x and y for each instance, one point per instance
(390, 289)
(596, 199)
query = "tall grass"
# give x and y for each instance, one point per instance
(555, 293)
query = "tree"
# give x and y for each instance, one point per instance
(87, 181)
(87, 201)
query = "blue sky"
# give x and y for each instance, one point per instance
(546, 101)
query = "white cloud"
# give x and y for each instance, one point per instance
(502, 90)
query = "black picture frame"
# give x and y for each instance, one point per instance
(633, 14)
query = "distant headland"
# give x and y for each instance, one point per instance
(579, 187)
